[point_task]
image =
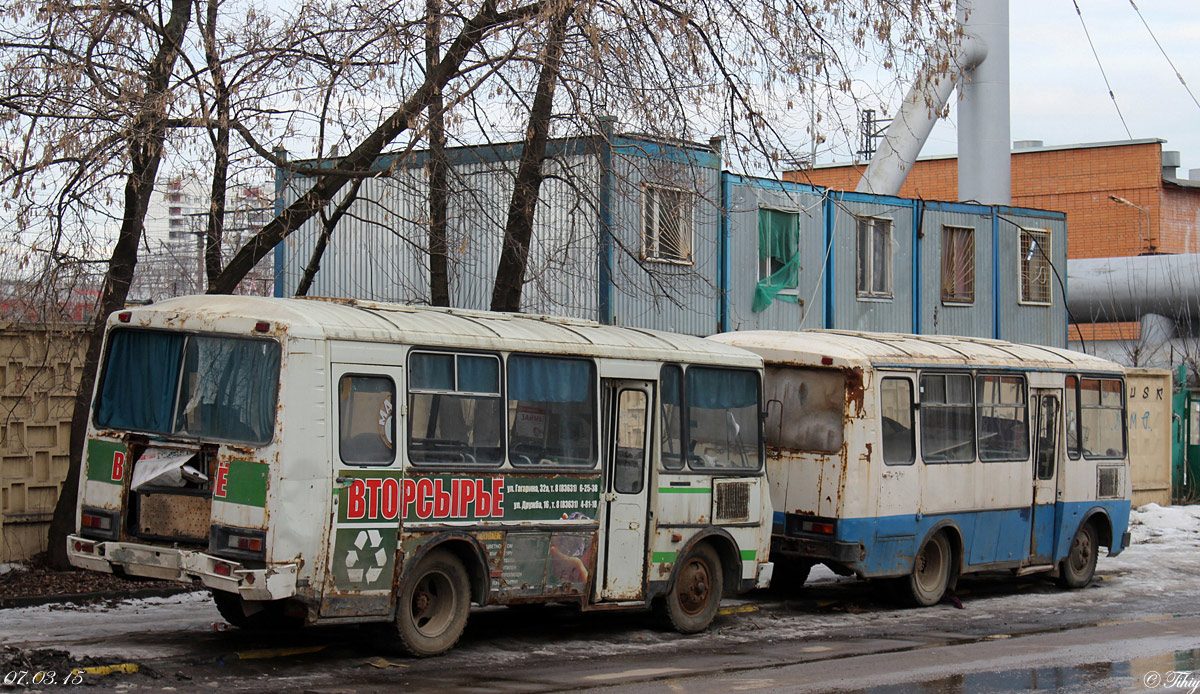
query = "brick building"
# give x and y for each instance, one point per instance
(1156, 211)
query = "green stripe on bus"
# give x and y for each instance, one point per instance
(749, 554)
(670, 557)
(685, 490)
(245, 483)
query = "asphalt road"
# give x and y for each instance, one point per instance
(1010, 635)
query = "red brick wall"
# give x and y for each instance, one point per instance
(1079, 183)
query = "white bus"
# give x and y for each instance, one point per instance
(338, 461)
(925, 457)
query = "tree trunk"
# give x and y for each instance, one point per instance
(362, 157)
(518, 230)
(145, 154)
(327, 227)
(215, 228)
(439, 193)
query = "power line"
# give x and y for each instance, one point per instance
(1101, 66)
(1164, 52)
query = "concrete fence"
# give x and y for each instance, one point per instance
(40, 369)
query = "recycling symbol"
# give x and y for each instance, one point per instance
(367, 557)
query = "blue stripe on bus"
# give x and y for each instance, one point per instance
(989, 537)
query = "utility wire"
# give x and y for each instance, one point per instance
(1102, 74)
(1164, 52)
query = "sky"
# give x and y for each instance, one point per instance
(1058, 92)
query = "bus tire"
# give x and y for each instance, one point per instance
(1079, 566)
(931, 572)
(693, 600)
(269, 616)
(434, 601)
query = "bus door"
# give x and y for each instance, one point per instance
(366, 469)
(1046, 449)
(628, 426)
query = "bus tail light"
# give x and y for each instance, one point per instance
(239, 543)
(817, 527)
(98, 524)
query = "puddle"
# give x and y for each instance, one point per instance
(1169, 673)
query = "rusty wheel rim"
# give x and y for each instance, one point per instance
(694, 587)
(432, 607)
(1082, 554)
(930, 567)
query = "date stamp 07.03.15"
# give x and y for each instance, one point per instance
(41, 678)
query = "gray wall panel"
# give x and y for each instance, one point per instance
(659, 295)
(876, 315)
(746, 200)
(955, 318)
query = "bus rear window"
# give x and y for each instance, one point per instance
(722, 418)
(1101, 418)
(205, 387)
(805, 409)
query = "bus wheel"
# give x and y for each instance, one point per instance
(1080, 565)
(931, 572)
(693, 601)
(433, 606)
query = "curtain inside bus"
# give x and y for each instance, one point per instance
(137, 390)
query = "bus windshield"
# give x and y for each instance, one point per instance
(205, 387)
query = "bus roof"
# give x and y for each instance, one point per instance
(844, 348)
(369, 321)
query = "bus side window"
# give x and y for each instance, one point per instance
(630, 451)
(723, 418)
(806, 409)
(1102, 418)
(947, 418)
(551, 411)
(1071, 409)
(896, 415)
(671, 449)
(366, 420)
(454, 409)
(1003, 418)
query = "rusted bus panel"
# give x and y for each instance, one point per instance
(879, 314)
(1023, 322)
(174, 516)
(945, 311)
(680, 297)
(747, 197)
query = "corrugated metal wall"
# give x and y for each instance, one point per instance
(379, 250)
(955, 318)
(879, 315)
(658, 295)
(1044, 325)
(746, 197)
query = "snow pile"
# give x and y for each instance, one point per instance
(1165, 524)
(11, 568)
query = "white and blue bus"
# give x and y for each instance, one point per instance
(921, 458)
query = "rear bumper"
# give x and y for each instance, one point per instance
(272, 583)
(837, 551)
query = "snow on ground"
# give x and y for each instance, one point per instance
(1163, 560)
(7, 567)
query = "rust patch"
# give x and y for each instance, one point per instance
(855, 390)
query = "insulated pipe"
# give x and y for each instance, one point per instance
(984, 130)
(918, 112)
(1127, 288)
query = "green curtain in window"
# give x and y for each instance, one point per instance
(779, 245)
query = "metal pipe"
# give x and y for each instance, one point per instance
(1127, 288)
(984, 130)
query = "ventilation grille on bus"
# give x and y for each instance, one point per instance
(1110, 482)
(732, 502)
